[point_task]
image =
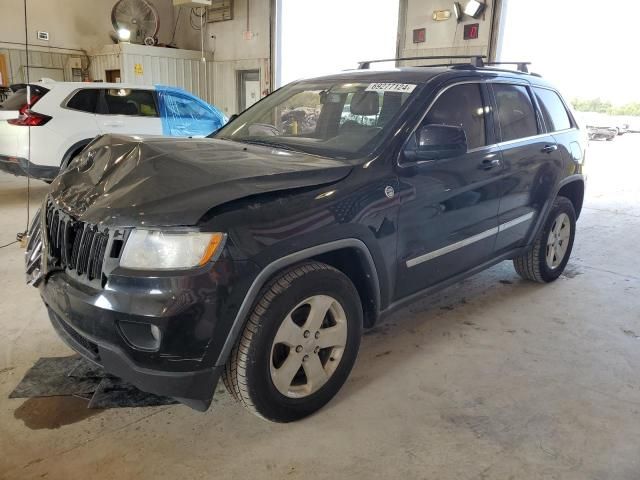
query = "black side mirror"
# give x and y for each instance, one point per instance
(435, 142)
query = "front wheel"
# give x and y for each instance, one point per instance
(299, 344)
(546, 261)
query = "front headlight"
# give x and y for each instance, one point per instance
(169, 250)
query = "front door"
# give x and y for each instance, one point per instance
(448, 220)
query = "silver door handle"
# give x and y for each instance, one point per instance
(488, 163)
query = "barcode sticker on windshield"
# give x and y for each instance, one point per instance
(391, 87)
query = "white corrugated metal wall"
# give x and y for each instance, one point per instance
(143, 65)
(38, 59)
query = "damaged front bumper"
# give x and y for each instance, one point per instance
(193, 388)
(161, 331)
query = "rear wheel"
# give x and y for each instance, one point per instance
(551, 250)
(299, 344)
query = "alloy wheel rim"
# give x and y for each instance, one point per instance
(558, 241)
(308, 346)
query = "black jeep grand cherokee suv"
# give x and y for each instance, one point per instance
(260, 254)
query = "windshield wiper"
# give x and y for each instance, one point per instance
(263, 143)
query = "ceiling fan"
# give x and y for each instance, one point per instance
(136, 21)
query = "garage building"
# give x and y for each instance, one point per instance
(183, 244)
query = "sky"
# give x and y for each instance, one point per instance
(335, 34)
(587, 49)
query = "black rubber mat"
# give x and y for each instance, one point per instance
(113, 392)
(75, 376)
(49, 377)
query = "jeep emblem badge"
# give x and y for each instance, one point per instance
(389, 191)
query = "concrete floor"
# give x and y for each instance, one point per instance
(495, 378)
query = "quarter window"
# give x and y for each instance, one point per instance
(84, 100)
(553, 111)
(125, 101)
(516, 115)
(461, 105)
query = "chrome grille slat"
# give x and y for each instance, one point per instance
(74, 245)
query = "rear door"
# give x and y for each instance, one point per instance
(448, 219)
(532, 161)
(560, 123)
(71, 125)
(129, 111)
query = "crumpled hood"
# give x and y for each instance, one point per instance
(155, 181)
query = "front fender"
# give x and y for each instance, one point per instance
(281, 263)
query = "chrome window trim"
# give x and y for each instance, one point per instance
(523, 139)
(486, 81)
(412, 262)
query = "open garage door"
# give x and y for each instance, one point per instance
(317, 38)
(573, 45)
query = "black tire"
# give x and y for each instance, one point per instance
(247, 375)
(533, 265)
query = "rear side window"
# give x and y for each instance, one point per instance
(84, 100)
(553, 111)
(516, 115)
(462, 106)
(126, 101)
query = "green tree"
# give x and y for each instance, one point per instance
(601, 106)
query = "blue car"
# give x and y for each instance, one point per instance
(185, 115)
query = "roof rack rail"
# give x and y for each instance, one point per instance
(521, 66)
(475, 60)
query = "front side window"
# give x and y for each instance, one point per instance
(462, 106)
(553, 111)
(339, 119)
(126, 101)
(185, 108)
(516, 115)
(84, 100)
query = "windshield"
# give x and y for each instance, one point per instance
(334, 119)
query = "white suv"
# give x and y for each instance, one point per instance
(65, 116)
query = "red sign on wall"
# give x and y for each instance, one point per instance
(471, 31)
(420, 35)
